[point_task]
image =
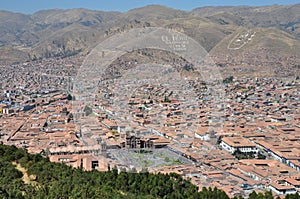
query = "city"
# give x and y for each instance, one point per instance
(256, 149)
(206, 99)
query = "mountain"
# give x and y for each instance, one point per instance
(259, 51)
(286, 17)
(51, 33)
(154, 12)
(61, 33)
(15, 29)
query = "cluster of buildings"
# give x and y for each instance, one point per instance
(252, 63)
(249, 142)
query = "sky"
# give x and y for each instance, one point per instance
(31, 6)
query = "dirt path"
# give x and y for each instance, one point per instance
(26, 179)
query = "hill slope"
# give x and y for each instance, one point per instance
(52, 33)
(55, 180)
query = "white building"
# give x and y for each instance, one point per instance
(232, 144)
(282, 189)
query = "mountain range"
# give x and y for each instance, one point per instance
(272, 32)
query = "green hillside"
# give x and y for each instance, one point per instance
(24, 175)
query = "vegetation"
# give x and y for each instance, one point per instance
(269, 195)
(261, 156)
(228, 80)
(142, 151)
(241, 155)
(167, 99)
(54, 180)
(88, 110)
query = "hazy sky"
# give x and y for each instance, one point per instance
(30, 6)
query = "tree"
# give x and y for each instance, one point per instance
(228, 80)
(167, 100)
(253, 195)
(88, 110)
(57, 180)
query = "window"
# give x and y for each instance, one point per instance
(95, 164)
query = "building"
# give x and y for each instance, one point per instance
(232, 144)
(282, 188)
(111, 125)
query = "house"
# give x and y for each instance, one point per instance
(1, 107)
(154, 141)
(294, 164)
(282, 189)
(202, 133)
(232, 144)
(7, 110)
(271, 150)
(293, 181)
(111, 125)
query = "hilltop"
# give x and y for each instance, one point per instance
(62, 33)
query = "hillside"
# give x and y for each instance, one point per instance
(24, 175)
(60, 33)
(286, 17)
(264, 51)
(31, 176)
